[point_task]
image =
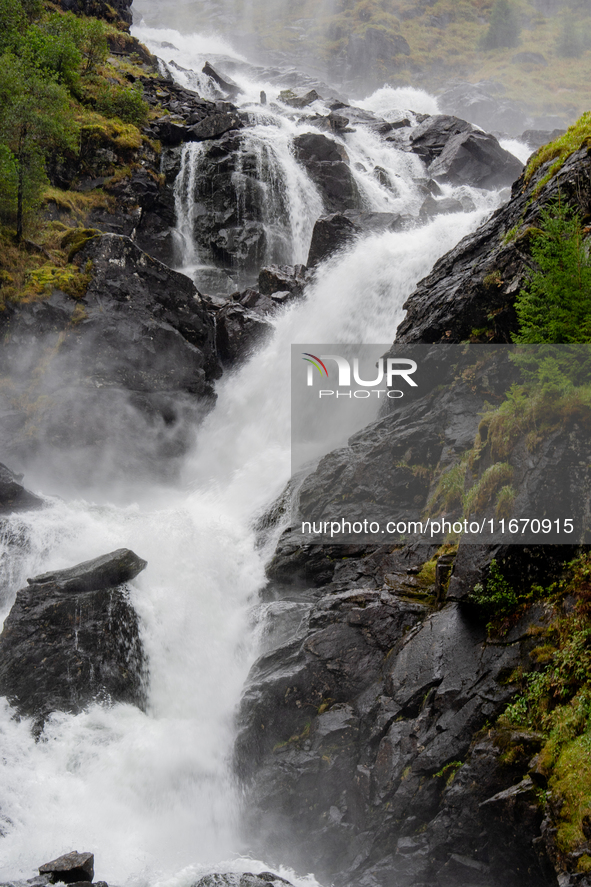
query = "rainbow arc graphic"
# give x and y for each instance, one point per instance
(316, 362)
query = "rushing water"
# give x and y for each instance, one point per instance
(151, 793)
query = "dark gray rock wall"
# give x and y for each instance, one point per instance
(359, 738)
(367, 741)
(117, 378)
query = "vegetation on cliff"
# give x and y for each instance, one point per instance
(62, 101)
(555, 303)
(555, 699)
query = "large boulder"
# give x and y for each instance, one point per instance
(225, 83)
(431, 136)
(475, 158)
(327, 164)
(72, 638)
(238, 332)
(315, 147)
(454, 151)
(71, 868)
(334, 232)
(282, 278)
(213, 126)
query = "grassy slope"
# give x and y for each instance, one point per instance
(31, 271)
(319, 31)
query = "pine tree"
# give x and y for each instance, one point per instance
(503, 29)
(554, 305)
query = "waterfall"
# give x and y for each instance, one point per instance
(184, 204)
(289, 200)
(151, 794)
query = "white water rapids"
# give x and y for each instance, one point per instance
(152, 794)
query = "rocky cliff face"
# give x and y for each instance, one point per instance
(367, 743)
(132, 359)
(367, 738)
(473, 287)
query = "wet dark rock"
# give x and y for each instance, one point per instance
(327, 164)
(350, 744)
(330, 234)
(431, 136)
(13, 496)
(298, 98)
(475, 158)
(334, 232)
(282, 278)
(455, 152)
(336, 184)
(331, 123)
(223, 81)
(312, 146)
(171, 132)
(213, 126)
(512, 820)
(70, 868)
(130, 365)
(70, 640)
(106, 571)
(253, 300)
(480, 278)
(432, 207)
(238, 332)
(364, 755)
(232, 209)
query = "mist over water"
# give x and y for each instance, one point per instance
(151, 794)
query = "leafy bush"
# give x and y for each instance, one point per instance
(51, 47)
(124, 102)
(494, 598)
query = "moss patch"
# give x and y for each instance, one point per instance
(577, 136)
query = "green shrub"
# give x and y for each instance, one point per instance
(494, 598)
(125, 102)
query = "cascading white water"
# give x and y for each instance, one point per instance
(151, 793)
(184, 203)
(289, 200)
